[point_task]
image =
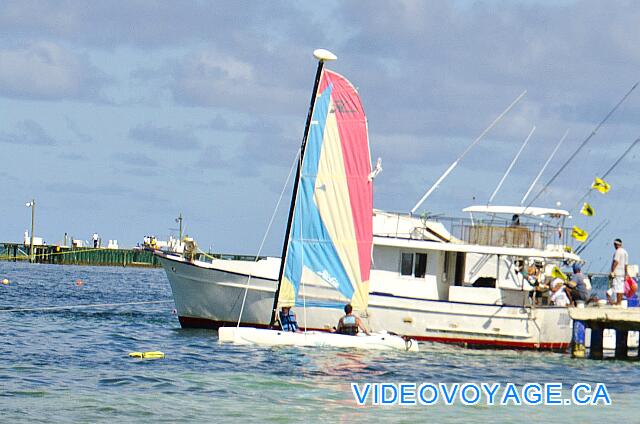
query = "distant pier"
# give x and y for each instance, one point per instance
(66, 255)
(621, 320)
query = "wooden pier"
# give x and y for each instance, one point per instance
(621, 320)
(65, 255)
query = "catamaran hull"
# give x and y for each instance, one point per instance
(322, 339)
(207, 296)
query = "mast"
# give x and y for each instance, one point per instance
(323, 56)
(455, 163)
(515, 159)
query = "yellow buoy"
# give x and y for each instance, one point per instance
(5, 281)
(147, 355)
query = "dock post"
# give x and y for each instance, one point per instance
(578, 349)
(595, 351)
(622, 350)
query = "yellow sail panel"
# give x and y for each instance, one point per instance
(332, 198)
(287, 294)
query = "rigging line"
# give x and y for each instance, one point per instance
(596, 233)
(611, 168)
(266, 233)
(586, 140)
(455, 163)
(95, 305)
(535, 181)
(515, 159)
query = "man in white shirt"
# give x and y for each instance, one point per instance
(619, 270)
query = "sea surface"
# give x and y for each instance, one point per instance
(72, 365)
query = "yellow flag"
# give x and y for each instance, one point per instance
(600, 185)
(556, 273)
(579, 234)
(587, 210)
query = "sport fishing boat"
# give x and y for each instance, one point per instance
(433, 279)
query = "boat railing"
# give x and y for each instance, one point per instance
(487, 232)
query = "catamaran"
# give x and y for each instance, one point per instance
(461, 281)
(329, 235)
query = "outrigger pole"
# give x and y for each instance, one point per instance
(455, 163)
(611, 168)
(504, 177)
(586, 140)
(323, 56)
(535, 181)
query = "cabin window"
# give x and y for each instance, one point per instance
(421, 265)
(406, 264)
(445, 270)
(414, 264)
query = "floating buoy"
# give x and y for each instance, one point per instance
(5, 281)
(79, 282)
(147, 355)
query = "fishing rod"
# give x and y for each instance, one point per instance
(584, 142)
(596, 232)
(611, 168)
(504, 177)
(455, 163)
(535, 181)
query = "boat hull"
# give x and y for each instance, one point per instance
(322, 339)
(211, 296)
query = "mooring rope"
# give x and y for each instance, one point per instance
(95, 305)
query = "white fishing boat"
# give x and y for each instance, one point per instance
(458, 281)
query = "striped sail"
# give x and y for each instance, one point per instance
(331, 234)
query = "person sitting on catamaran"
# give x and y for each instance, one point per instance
(350, 324)
(288, 320)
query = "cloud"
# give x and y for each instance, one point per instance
(49, 71)
(135, 159)
(81, 136)
(100, 189)
(72, 156)
(148, 24)
(164, 137)
(28, 133)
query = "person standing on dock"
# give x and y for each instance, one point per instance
(619, 270)
(95, 240)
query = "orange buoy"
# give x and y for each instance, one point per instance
(79, 282)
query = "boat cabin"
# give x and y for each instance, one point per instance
(463, 260)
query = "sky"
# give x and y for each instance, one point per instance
(118, 116)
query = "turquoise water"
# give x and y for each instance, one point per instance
(73, 365)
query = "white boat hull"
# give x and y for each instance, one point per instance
(210, 296)
(321, 339)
